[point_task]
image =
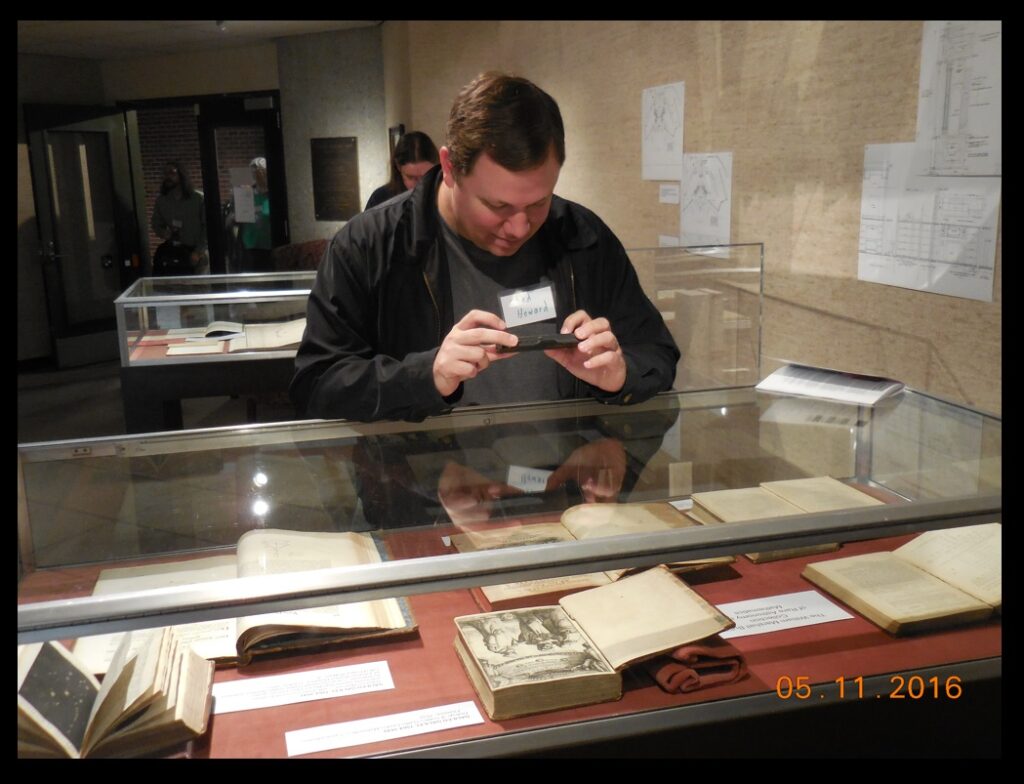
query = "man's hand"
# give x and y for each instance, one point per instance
(469, 349)
(598, 468)
(597, 359)
(468, 496)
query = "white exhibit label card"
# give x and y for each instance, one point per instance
(272, 690)
(785, 611)
(668, 193)
(378, 728)
(668, 241)
(527, 306)
(529, 480)
(661, 157)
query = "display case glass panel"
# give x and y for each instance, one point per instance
(166, 320)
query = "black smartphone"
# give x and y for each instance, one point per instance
(540, 342)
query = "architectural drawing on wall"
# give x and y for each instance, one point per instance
(662, 120)
(959, 110)
(935, 234)
(705, 207)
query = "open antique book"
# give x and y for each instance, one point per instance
(779, 499)
(940, 578)
(558, 656)
(241, 337)
(156, 695)
(583, 521)
(262, 551)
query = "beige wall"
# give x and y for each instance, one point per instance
(229, 70)
(795, 102)
(395, 49)
(332, 84)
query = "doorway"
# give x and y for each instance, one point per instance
(212, 135)
(242, 151)
(88, 198)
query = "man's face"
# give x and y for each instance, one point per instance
(171, 179)
(412, 173)
(496, 209)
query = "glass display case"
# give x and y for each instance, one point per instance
(710, 298)
(156, 316)
(206, 336)
(88, 506)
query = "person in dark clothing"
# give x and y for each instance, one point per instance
(414, 155)
(403, 318)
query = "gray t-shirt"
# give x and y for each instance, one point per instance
(478, 278)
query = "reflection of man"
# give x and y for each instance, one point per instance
(596, 468)
(179, 216)
(407, 310)
(475, 474)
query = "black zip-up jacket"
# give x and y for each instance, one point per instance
(381, 305)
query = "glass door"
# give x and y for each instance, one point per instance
(86, 196)
(242, 153)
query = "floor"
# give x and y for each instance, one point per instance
(85, 402)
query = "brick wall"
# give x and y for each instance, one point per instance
(166, 134)
(171, 133)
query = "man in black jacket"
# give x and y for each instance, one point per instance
(415, 300)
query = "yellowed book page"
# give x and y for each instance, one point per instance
(969, 557)
(194, 695)
(589, 521)
(150, 673)
(702, 516)
(211, 639)
(274, 551)
(112, 699)
(820, 494)
(643, 615)
(157, 711)
(512, 536)
(586, 521)
(893, 587)
(745, 503)
(517, 536)
(269, 336)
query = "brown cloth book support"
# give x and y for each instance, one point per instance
(697, 666)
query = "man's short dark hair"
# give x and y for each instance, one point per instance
(507, 117)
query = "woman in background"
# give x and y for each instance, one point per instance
(414, 155)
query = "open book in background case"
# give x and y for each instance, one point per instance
(230, 337)
(235, 641)
(580, 522)
(156, 695)
(543, 658)
(779, 499)
(941, 578)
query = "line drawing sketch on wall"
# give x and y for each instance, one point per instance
(662, 122)
(959, 111)
(706, 202)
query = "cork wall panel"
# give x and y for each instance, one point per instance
(795, 102)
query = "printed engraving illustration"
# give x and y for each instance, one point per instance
(529, 645)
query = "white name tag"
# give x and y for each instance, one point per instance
(529, 480)
(528, 305)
